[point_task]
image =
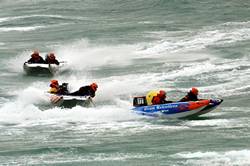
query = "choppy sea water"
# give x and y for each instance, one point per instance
(128, 48)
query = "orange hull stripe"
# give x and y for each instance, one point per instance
(197, 104)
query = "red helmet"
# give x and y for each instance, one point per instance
(52, 56)
(194, 91)
(54, 83)
(35, 54)
(94, 86)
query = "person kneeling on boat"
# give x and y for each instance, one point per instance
(51, 59)
(55, 88)
(192, 95)
(160, 98)
(88, 90)
(157, 97)
(36, 58)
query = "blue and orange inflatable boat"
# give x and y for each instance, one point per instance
(176, 109)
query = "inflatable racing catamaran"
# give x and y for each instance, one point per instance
(40, 68)
(175, 109)
(67, 101)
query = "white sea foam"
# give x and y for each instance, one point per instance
(35, 27)
(228, 73)
(20, 113)
(82, 55)
(198, 68)
(113, 87)
(21, 29)
(4, 19)
(211, 122)
(193, 41)
(145, 22)
(237, 157)
(7, 19)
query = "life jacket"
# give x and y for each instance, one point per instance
(53, 90)
(150, 95)
(156, 100)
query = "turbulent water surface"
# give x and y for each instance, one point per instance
(128, 48)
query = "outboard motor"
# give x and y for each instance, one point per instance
(139, 101)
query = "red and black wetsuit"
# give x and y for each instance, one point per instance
(190, 97)
(50, 61)
(158, 100)
(84, 91)
(38, 60)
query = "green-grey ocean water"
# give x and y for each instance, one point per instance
(128, 48)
